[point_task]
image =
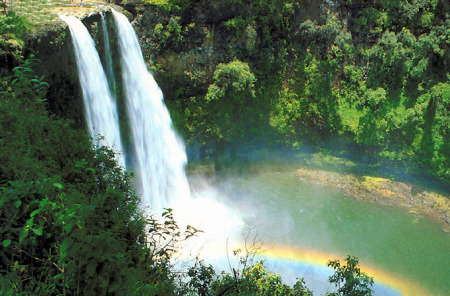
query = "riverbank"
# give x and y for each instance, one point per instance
(383, 191)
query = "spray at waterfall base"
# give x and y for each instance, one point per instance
(224, 230)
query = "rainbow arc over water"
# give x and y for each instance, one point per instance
(321, 259)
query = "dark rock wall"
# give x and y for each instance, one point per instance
(57, 65)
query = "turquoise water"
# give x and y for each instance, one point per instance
(286, 211)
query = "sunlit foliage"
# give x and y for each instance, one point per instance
(372, 73)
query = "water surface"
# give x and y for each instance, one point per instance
(302, 224)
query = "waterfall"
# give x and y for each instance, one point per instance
(100, 108)
(108, 58)
(159, 156)
(159, 152)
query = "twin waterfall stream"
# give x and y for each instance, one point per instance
(155, 153)
(159, 155)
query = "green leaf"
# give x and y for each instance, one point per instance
(68, 227)
(67, 242)
(6, 242)
(23, 235)
(35, 212)
(58, 185)
(37, 231)
(30, 222)
(81, 163)
(59, 276)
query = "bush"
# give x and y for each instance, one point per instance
(349, 279)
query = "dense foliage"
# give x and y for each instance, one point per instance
(12, 29)
(70, 222)
(373, 74)
(349, 279)
(254, 279)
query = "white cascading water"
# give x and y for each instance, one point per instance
(100, 108)
(159, 152)
(108, 58)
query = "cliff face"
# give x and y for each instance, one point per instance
(8, 59)
(56, 64)
(49, 49)
(183, 47)
(53, 49)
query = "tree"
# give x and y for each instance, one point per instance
(349, 279)
(231, 99)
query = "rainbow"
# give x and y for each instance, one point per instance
(318, 258)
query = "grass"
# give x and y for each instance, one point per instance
(158, 2)
(42, 12)
(34, 11)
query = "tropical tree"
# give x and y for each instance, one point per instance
(349, 279)
(231, 99)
